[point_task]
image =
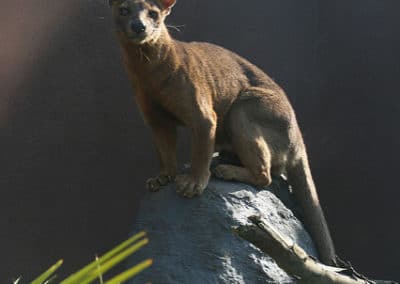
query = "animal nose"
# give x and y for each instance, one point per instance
(138, 27)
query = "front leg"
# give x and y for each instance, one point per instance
(165, 141)
(203, 141)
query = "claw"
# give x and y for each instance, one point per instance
(155, 184)
(188, 187)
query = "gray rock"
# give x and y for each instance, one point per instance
(191, 241)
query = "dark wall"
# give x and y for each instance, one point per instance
(354, 139)
(75, 153)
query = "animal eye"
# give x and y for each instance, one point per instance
(123, 11)
(153, 14)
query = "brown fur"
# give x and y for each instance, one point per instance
(226, 102)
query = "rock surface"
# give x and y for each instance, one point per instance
(191, 240)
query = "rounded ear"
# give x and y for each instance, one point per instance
(167, 4)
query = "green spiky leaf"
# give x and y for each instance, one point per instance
(101, 265)
(107, 261)
(130, 273)
(42, 278)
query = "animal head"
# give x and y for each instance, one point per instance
(140, 21)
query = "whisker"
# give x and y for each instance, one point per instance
(177, 28)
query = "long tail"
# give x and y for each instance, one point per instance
(299, 177)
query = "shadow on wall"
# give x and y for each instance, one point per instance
(73, 145)
(75, 152)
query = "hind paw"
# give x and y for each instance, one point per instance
(225, 172)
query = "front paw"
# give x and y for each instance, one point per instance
(190, 187)
(155, 184)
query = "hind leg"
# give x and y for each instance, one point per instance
(253, 151)
(230, 172)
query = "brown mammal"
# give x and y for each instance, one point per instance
(225, 101)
